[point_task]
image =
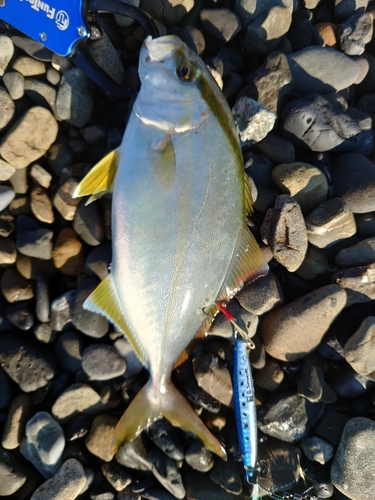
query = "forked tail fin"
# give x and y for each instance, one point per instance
(149, 405)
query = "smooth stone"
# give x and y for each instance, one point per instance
(253, 121)
(90, 323)
(321, 70)
(328, 32)
(295, 329)
(28, 66)
(7, 108)
(13, 474)
(30, 268)
(15, 287)
(348, 384)
(44, 443)
(167, 12)
(6, 196)
(15, 84)
(284, 230)
(59, 156)
(134, 455)
(67, 483)
(20, 206)
(259, 168)
(126, 351)
(32, 240)
(68, 348)
(41, 176)
(360, 254)
(262, 295)
(331, 425)
(199, 457)
(88, 223)
(6, 52)
(310, 380)
(19, 181)
(8, 251)
(222, 24)
(200, 487)
(41, 205)
(68, 253)
(60, 310)
(359, 283)
(270, 376)
(6, 171)
(44, 333)
(165, 437)
(63, 200)
(331, 222)
(42, 299)
(98, 260)
(6, 224)
(53, 76)
(22, 145)
(118, 477)
(100, 436)
(354, 181)
(351, 471)
(359, 350)
(315, 264)
(21, 314)
(102, 362)
(304, 182)
(226, 475)
(76, 399)
(213, 377)
(355, 32)
(60, 64)
(316, 449)
(78, 427)
(166, 472)
(28, 366)
(345, 8)
(41, 93)
(74, 99)
(288, 417)
(5, 390)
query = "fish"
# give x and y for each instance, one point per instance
(180, 242)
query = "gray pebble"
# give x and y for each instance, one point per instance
(253, 121)
(60, 311)
(351, 471)
(53, 76)
(41, 93)
(74, 100)
(358, 282)
(44, 333)
(310, 380)
(134, 455)
(259, 167)
(32, 240)
(44, 443)
(8, 251)
(68, 348)
(118, 477)
(20, 314)
(222, 24)
(59, 156)
(68, 482)
(164, 435)
(346, 8)
(359, 350)
(331, 425)
(348, 384)
(98, 260)
(6, 196)
(7, 108)
(262, 295)
(5, 390)
(213, 377)
(317, 449)
(19, 413)
(102, 362)
(42, 299)
(126, 351)
(360, 254)
(227, 476)
(270, 376)
(166, 12)
(315, 263)
(88, 223)
(76, 399)
(13, 474)
(61, 64)
(355, 32)
(166, 472)
(92, 324)
(6, 53)
(199, 457)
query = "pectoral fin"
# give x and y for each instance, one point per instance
(164, 162)
(100, 178)
(104, 300)
(247, 264)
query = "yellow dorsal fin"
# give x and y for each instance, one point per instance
(103, 300)
(100, 178)
(248, 198)
(247, 264)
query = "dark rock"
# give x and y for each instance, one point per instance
(98, 260)
(60, 315)
(134, 455)
(5, 390)
(42, 299)
(74, 100)
(68, 348)
(32, 240)
(355, 32)
(88, 223)
(13, 473)
(348, 384)
(262, 295)
(166, 472)
(199, 457)
(92, 324)
(226, 475)
(21, 315)
(165, 437)
(223, 24)
(310, 381)
(213, 377)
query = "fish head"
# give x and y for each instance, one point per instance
(172, 77)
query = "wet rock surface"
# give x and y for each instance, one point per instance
(299, 78)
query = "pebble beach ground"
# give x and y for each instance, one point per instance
(300, 78)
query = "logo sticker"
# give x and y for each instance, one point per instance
(62, 20)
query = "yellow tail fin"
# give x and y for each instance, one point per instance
(151, 404)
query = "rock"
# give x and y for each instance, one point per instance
(345, 9)
(13, 474)
(360, 254)
(102, 362)
(348, 384)
(32, 240)
(15, 287)
(262, 295)
(126, 351)
(68, 348)
(164, 435)
(67, 253)
(284, 230)
(288, 417)
(41, 93)
(359, 351)
(29, 66)
(355, 453)
(29, 367)
(359, 283)
(223, 328)
(317, 449)
(100, 436)
(321, 70)
(328, 32)
(213, 377)
(296, 329)
(59, 156)
(7, 108)
(134, 455)
(199, 457)
(29, 138)
(20, 314)
(15, 84)
(6, 170)
(60, 311)
(166, 472)
(167, 12)
(355, 32)
(76, 399)
(354, 182)
(125, 21)
(118, 477)
(226, 475)
(92, 324)
(88, 223)
(253, 121)
(41, 205)
(270, 377)
(331, 222)
(6, 224)
(44, 333)
(74, 100)
(41, 176)
(321, 125)
(6, 196)
(222, 24)
(98, 261)
(311, 379)
(331, 425)
(68, 482)
(19, 181)
(8, 251)
(53, 76)
(20, 206)
(6, 51)
(5, 390)
(42, 299)
(259, 168)
(315, 264)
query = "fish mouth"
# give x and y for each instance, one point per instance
(158, 49)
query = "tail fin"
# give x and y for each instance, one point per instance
(149, 405)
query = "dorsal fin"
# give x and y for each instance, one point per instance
(100, 178)
(247, 264)
(103, 300)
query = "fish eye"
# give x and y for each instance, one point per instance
(188, 72)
